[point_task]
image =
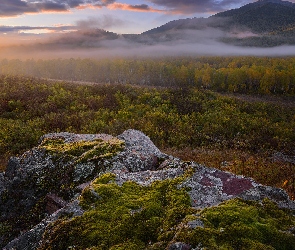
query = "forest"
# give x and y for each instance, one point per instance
(184, 105)
(245, 75)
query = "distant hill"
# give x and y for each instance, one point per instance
(263, 16)
(264, 23)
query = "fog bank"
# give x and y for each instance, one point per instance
(97, 43)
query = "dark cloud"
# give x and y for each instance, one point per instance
(198, 6)
(19, 7)
(14, 7)
(50, 6)
(140, 7)
(74, 3)
(107, 2)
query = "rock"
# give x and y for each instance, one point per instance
(2, 184)
(53, 203)
(140, 153)
(32, 238)
(44, 179)
(44, 184)
(12, 167)
(179, 246)
(277, 195)
(209, 187)
(195, 223)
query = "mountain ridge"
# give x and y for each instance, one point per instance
(271, 22)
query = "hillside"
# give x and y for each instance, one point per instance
(97, 191)
(264, 23)
(263, 16)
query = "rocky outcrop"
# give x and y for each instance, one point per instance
(57, 182)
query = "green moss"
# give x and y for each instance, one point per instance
(123, 217)
(83, 151)
(238, 224)
(138, 217)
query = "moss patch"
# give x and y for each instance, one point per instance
(239, 224)
(123, 217)
(83, 151)
(136, 217)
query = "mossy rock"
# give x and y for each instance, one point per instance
(71, 157)
(239, 224)
(52, 168)
(132, 216)
(83, 151)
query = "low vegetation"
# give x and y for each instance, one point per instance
(188, 119)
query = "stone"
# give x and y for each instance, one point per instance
(53, 203)
(51, 186)
(179, 246)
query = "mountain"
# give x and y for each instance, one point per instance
(96, 191)
(263, 16)
(264, 23)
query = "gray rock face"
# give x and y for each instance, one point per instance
(140, 153)
(32, 238)
(180, 246)
(22, 185)
(209, 186)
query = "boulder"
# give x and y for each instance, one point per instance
(48, 183)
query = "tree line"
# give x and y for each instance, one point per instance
(245, 75)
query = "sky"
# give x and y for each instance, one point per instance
(72, 28)
(120, 16)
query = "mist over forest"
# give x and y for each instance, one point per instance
(95, 43)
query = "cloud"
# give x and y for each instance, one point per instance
(137, 8)
(18, 7)
(15, 7)
(19, 29)
(198, 6)
(92, 23)
(95, 43)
